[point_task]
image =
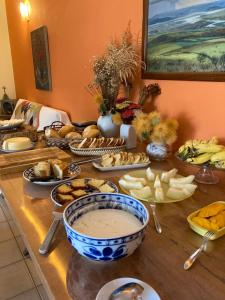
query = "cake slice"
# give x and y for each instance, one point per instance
(42, 169)
(96, 183)
(64, 198)
(59, 168)
(106, 188)
(78, 193)
(78, 184)
(64, 189)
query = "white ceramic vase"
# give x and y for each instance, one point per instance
(128, 133)
(107, 127)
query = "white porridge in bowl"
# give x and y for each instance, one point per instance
(108, 223)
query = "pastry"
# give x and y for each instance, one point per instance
(96, 183)
(78, 193)
(64, 189)
(211, 210)
(17, 143)
(123, 158)
(73, 135)
(65, 130)
(85, 143)
(51, 133)
(42, 169)
(106, 188)
(64, 198)
(78, 184)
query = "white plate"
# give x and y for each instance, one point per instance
(13, 151)
(28, 173)
(148, 294)
(117, 168)
(165, 186)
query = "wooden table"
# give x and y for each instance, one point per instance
(158, 261)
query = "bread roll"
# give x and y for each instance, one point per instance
(90, 127)
(92, 133)
(73, 135)
(51, 133)
(65, 130)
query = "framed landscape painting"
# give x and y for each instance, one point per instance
(184, 39)
(41, 60)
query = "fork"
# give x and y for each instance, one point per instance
(189, 262)
(156, 221)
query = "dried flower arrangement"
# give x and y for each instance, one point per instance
(150, 128)
(118, 65)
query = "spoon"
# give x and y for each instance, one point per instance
(128, 291)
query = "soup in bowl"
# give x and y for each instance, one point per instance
(105, 226)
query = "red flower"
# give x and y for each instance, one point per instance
(127, 114)
(121, 100)
(134, 106)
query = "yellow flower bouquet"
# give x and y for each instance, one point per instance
(151, 128)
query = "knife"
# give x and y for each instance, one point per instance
(58, 216)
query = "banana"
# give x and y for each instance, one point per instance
(201, 159)
(218, 156)
(213, 140)
(220, 164)
(209, 148)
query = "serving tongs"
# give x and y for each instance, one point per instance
(86, 160)
(58, 217)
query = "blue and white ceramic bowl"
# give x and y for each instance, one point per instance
(105, 249)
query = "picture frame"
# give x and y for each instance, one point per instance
(164, 51)
(41, 58)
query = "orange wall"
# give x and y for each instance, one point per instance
(80, 29)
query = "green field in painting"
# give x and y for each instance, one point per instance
(188, 49)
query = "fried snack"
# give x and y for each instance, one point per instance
(106, 188)
(78, 184)
(96, 183)
(78, 193)
(218, 220)
(211, 210)
(64, 198)
(205, 223)
(64, 189)
(65, 130)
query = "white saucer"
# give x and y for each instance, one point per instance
(148, 294)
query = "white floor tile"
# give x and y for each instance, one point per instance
(14, 228)
(5, 232)
(2, 216)
(9, 253)
(14, 279)
(28, 295)
(42, 292)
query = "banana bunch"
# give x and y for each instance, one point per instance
(203, 151)
(218, 159)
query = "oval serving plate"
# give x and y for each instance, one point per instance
(94, 151)
(98, 166)
(141, 173)
(13, 151)
(88, 189)
(74, 170)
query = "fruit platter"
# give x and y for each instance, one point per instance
(208, 155)
(157, 185)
